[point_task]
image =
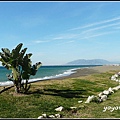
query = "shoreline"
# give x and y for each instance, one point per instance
(86, 71)
(79, 73)
(91, 70)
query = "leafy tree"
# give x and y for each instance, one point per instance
(21, 66)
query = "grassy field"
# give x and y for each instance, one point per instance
(45, 96)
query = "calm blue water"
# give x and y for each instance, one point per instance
(46, 72)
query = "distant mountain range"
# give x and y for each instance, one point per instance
(90, 62)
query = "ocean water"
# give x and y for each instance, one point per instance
(44, 73)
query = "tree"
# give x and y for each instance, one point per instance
(21, 66)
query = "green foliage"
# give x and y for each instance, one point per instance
(20, 64)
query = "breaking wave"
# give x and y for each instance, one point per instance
(66, 73)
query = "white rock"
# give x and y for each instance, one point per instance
(59, 108)
(116, 75)
(100, 94)
(116, 88)
(113, 78)
(104, 97)
(51, 116)
(117, 80)
(44, 115)
(73, 107)
(80, 101)
(57, 115)
(40, 117)
(89, 99)
(110, 90)
(106, 92)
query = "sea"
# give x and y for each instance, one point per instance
(44, 73)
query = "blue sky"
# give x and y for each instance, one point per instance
(60, 32)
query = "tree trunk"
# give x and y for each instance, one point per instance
(26, 87)
(17, 86)
(17, 90)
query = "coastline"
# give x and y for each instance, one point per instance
(76, 73)
(91, 70)
(80, 72)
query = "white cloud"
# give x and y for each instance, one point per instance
(65, 36)
(101, 27)
(83, 34)
(40, 41)
(67, 42)
(97, 23)
(95, 35)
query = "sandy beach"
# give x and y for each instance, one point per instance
(91, 70)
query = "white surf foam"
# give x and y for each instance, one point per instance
(66, 73)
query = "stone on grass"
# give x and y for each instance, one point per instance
(57, 115)
(51, 116)
(110, 90)
(103, 97)
(80, 101)
(100, 94)
(44, 115)
(59, 108)
(73, 107)
(113, 78)
(106, 92)
(116, 88)
(89, 99)
(40, 117)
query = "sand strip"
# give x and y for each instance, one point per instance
(92, 70)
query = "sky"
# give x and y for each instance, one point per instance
(58, 32)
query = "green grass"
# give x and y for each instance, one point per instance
(45, 96)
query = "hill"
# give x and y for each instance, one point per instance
(90, 62)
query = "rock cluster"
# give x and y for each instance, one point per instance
(102, 96)
(49, 116)
(115, 77)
